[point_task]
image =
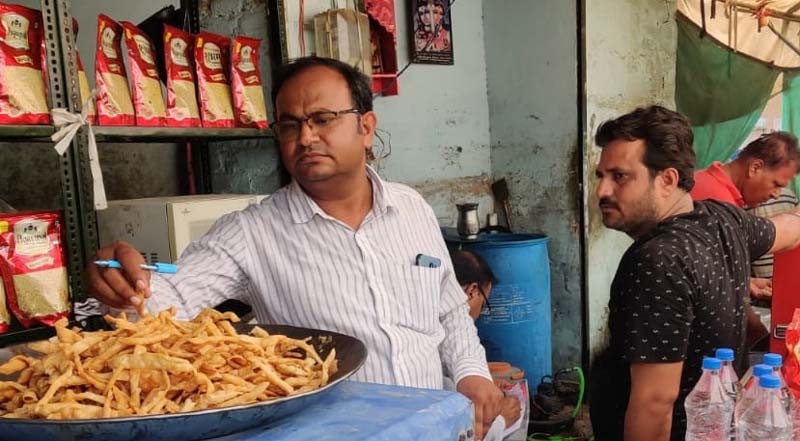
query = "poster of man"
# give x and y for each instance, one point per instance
(433, 32)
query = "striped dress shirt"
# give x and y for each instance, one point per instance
(296, 265)
(784, 203)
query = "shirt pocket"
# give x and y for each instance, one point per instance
(414, 296)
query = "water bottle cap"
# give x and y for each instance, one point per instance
(774, 360)
(761, 369)
(769, 381)
(711, 363)
(724, 354)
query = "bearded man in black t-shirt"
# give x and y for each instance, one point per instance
(679, 291)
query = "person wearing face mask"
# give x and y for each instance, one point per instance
(680, 289)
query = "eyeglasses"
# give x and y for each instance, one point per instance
(289, 129)
(485, 299)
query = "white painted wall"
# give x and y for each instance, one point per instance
(532, 72)
(439, 123)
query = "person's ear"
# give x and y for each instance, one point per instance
(367, 124)
(471, 289)
(669, 178)
(667, 182)
(754, 167)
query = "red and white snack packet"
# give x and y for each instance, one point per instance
(22, 96)
(148, 101)
(248, 96)
(182, 108)
(32, 266)
(114, 105)
(791, 366)
(211, 57)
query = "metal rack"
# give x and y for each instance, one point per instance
(80, 219)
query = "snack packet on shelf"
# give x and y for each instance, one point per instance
(248, 95)
(22, 89)
(182, 110)
(114, 105)
(147, 97)
(212, 58)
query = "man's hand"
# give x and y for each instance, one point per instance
(502, 383)
(486, 398)
(510, 410)
(118, 288)
(760, 288)
(755, 327)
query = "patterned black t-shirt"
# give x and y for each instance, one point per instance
(678, 294)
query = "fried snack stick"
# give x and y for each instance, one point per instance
(158, 365)
(140, 304)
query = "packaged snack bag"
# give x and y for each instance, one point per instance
(211, 57)
(148, 100)
(248, 96)
(32, 266)
(182, 108)
(22, 96)
(114, 105)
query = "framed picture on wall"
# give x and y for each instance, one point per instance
(433, 32)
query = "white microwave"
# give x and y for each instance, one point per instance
(161, 228)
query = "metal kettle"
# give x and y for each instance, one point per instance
(468, 225)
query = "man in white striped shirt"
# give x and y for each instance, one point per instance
(335, 249)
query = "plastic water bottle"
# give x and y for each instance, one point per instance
(776, 362)
(766, 419)
(709, 408)
(750, 391)
(728, 375)
(730, 381)
(796, 422)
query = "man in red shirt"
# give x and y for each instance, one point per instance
(758, 174)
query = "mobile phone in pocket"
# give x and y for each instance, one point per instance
(428, 261)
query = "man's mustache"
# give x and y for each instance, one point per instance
(607, 203)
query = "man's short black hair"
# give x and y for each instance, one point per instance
(471, 268)
(668, 137)
(360, 85)
(776, 149)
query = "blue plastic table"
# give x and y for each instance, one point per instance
(366, 411)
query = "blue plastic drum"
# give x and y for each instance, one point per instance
(517, 329)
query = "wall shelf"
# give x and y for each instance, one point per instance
(80, 219)
(26, 133)
(135, 134)
(174, 134)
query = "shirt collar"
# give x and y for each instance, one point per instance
(717, 172)
(303, 208)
